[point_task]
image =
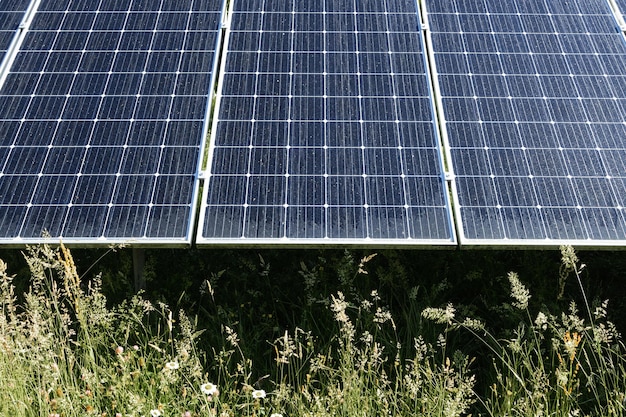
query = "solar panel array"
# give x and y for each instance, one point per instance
(102, 120)
(325, 130)
(534, 100)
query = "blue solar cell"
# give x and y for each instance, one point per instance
(139, 160)
(263, 222)
(347, 222)
(165, 220)
(17, 189)
(124, 220)
(102, 161)
(306, 161)
(79, 221)
(170, 190)
(55, 190)
(305, 222)
(39, 217)
(303, 133)
(108, 22)
(534, 110)
(307, 191)
(135, 190)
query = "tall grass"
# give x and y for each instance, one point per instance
(65, 352)
(562, 364)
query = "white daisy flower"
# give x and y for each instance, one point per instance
(209, 389)
(258, 393)
(276, 415)
(171, 365)
(155, 413)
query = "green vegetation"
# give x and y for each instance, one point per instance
(351, 336)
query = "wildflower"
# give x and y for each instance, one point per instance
(541, 321)
(135, 347)
(209, 389)
(605, 333)
(363, 262)
(382, 316)
(571, 342)
(568, 257)
(473, 324)
(119, 350)
(155, 413)
(172, 365)
(287, 348)
(276, 415)
(118, 415)
(186, 414)
(562, 378)
(600, 312)
(440, 315)
(231, 336)
(258, 393)
(338, 307)
(519, 292)
(441, 341)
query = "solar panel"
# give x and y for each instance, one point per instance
(325, 130)
(534, 100)
(11, 15)
(102, 120)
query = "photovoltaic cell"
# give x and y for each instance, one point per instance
(325, 128)
(102, 120)
(534, 104)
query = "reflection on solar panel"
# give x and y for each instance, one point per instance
(534, 97)
(325, 130)
(101, 120)
(11, 15)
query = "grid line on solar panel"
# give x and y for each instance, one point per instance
(535, 114)
(325, 128)
(106, 125)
